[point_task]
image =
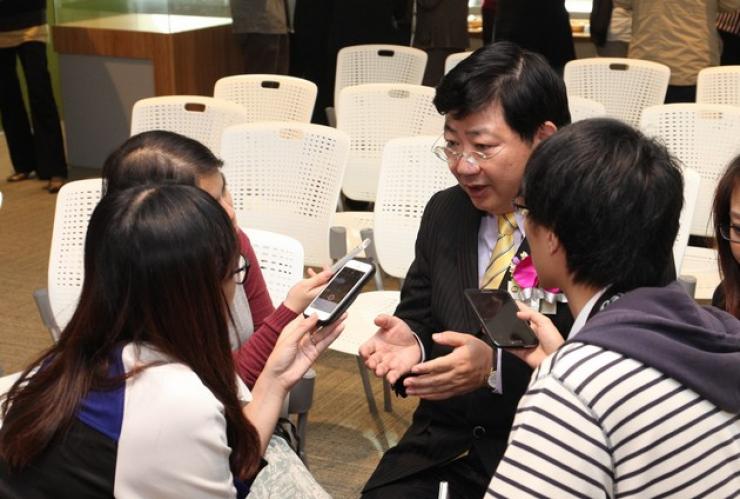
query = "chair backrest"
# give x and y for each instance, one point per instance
(691, 183)
(200, 118)
(285, 178)
(372, 115)
(704, 137)
(269, 97)
(409, 176)
(454, 59)
(362, 64)
(582, 108)
(624, 86)
(719, 85)
(75, 204)
(280, 259)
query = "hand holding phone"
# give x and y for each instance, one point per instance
(340, 292)
(496, 310)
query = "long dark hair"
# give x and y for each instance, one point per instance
(155, 157)
(156, 258)
(729, 267)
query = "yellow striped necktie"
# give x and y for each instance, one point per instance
(502, 253)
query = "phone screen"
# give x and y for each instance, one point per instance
(497, 312)
(337, 289)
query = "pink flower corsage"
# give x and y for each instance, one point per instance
(525, 286)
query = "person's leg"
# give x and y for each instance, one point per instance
(261, 53)
(47, 131)
(14, 118)
(488, 17)
(680, 93)
(283, 57)
(613, 49)
(285, 476)
(436, 65)
(730, 49)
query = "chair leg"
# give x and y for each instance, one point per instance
(366, 385)
(387, 396)
(301, 426)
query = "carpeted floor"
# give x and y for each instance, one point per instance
(344, 440)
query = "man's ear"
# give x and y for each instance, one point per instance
(553, 243)
(544, 131)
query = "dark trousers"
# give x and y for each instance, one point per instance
(266, 53)
(436, 64)
(730, 49)
(680, 93)
(40, 149)
(465, 477)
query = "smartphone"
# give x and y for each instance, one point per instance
(496, 310)
(341, 291)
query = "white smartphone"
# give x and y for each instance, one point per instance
(340, 292)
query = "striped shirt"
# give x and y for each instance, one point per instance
(594, 423)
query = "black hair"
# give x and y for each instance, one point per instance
(156, 258)
(155, 157)
(729, 267)
(613, 198)
(529, 90)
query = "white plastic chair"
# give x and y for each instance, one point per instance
(409, 176)
(281, 261)
(200, 118)
(583, 109)
(372, 115)
(269, 97)
(703, 137)
(691, 183)
(75, 204)
(719, 85)
(624, 86)
(285, 178)
(362, 64)
(703, 265)
(454, 59)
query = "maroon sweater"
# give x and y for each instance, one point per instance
(268, 321)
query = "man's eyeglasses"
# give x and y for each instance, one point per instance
(730, 232)
(241, 272)
(451, 156)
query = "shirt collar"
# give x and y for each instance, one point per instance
(585, 312)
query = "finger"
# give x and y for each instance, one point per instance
(384, 321)
(311, 272)
(451, 338)
(438, 365)
(323, 338)
(367, 349)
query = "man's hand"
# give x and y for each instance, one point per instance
(463, 370)
(393, 350)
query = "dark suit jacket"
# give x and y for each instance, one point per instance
(541, 26)
(432, 301)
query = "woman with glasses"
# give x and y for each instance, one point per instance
(139, 398)
(160, 156)
(727, 230)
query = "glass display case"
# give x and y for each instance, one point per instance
(113, 53)
(153, 16)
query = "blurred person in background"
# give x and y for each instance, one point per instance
(682, 34)
(726, 216)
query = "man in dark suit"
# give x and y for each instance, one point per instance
(498, 104)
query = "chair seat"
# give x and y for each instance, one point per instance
(701, 263)
(360, 316)
(354, 222)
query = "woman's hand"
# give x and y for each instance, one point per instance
(306, 290)
(548, 335)
(297, 347)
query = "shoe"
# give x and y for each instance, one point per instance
(55, 184)
(18, 177)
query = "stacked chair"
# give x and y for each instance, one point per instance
(409, 176)
(624, 86)
(704, 137)
(719, 85)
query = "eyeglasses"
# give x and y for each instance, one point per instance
(521, 210)
(449, 155)
(730, 232)
(241, 272)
